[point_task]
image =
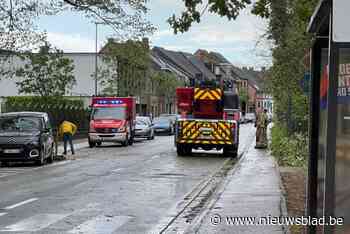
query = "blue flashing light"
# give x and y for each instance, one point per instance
(106, 102)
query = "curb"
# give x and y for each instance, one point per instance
(198, 221)
(60, 156)
(283, 202)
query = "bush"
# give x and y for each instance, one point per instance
(56, 107)
(291, 151)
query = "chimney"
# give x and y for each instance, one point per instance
(145, 41)
(45, 49)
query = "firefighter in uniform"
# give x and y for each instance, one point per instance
(261, 130)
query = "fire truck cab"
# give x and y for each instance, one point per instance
(209, 120)
(112, 119)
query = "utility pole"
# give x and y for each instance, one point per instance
(96, 55)
(289, 114)
(96, 91)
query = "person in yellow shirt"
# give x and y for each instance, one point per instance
(67, 131)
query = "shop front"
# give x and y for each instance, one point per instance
(329, 163)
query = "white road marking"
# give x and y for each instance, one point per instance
(12, 171)
(2, 214)
(20, 204)
(4, 172)
(34, 223)
(56, 164)
(155, 156)
(117, 170)
(76, 147)
(100, 225)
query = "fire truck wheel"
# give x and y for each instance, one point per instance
(125, 143)
(180, 150)
(230, 152)
(131, 141)
(183, 150)
(92, 144)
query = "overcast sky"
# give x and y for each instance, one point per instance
(236, 40)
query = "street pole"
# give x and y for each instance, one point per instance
(289, 113)
(96, 61)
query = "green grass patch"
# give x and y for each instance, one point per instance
(289, 150)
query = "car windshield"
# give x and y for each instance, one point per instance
(142, 122)
(161, 121)
(15, 123)
(109, 113)
(168, 116)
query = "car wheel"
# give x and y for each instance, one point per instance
(99, 143)
(126, 142)
(149, 137)
(52, 154)
(4, 163)
(41, 160)
(131, 141)
(230, 151)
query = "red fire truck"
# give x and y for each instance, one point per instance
(112, 120)
(209, 120)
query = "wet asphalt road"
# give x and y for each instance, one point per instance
(110, 189)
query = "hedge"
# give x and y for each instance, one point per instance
(57, 108)
(289, 150)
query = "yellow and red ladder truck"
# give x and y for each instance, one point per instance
(209, 119)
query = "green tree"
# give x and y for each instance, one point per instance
(243, 95)
(18, 17)
(292, 44)
(126, 70)
(165, 84)
(195, 10)
(287, 29)
(46, 73)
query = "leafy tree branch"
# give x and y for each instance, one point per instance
(46, 73)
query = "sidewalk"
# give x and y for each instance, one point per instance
(252, 189)
(78, 144)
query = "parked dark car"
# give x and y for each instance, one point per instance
(242, 119)
(26, 136)
(163, 125)
(144, 128)
(171, 117)
(269, 117)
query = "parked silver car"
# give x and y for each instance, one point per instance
(250, 118)
(144, 128)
